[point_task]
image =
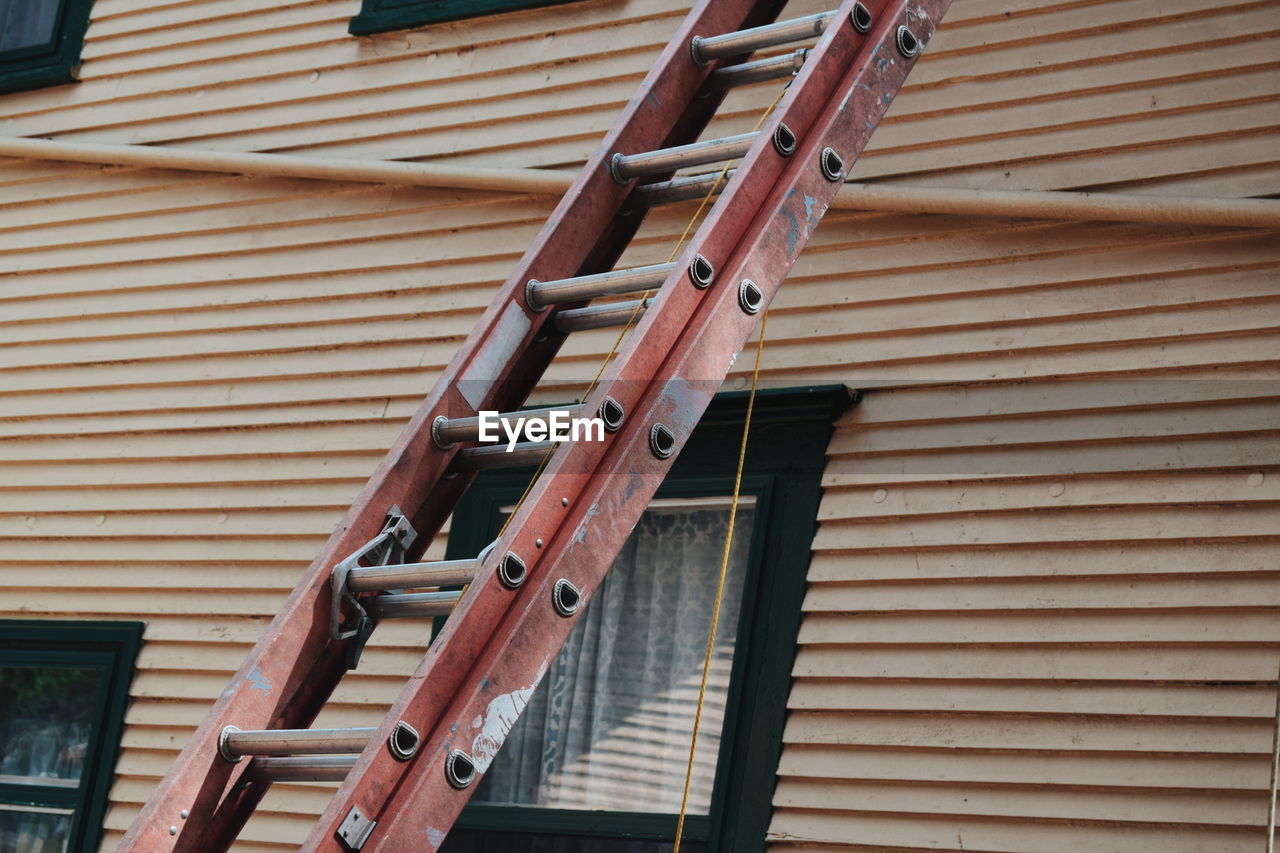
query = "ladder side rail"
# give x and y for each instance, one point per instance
(294, 666)
(603, 512)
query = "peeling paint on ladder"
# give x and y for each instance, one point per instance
(498, 719)
(258, 681)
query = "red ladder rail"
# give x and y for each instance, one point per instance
(203, 800)
(475, 678)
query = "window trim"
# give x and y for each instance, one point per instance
(38, 66)
(109, 646)
(376, 17)
(785, 459)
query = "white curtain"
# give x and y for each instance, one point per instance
(609, 726)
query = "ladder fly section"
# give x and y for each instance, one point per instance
(404, 782)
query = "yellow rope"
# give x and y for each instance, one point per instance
(724, 569)
(733, 510)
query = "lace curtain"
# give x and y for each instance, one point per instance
(609, 726)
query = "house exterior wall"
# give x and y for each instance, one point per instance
(1042, 614)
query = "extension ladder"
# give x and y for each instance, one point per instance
(404, 782)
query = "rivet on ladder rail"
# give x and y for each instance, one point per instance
(908, 44)
(404, 741)
(459, 769)
(749, 296)
(832, 165)
(861, 17)
(223, 749)
(784, 140)
(566, 597)
(436, 424)
(511, 571)
(661, 441)
(530, 296)
(611, 413)
(701, 272)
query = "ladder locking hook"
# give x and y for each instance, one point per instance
(385, 549)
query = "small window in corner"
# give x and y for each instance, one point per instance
(379, 16)
(40, 42)
(63, 691)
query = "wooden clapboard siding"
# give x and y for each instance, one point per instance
(1042, 613)
(158, 403)
(1030, 627)
(1050, 94)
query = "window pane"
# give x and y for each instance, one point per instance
(478, 841)
(27, 23)
(46, 717)
(41, 831)
(609, 726)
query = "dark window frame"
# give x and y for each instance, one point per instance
(380, 16)
(785, 458)
(54, 62)
(111, 647)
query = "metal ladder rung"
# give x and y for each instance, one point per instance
(540, 294)
(600, 316)
(234, 744)
(683, 188)
(746, 73)
(624, 167)
(328, 768)
(707, 48)
(411, 605)
(411, 575)
(525, 454)
(449, 431)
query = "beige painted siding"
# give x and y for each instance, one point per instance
(1039, 94)
(1054, 629)
(1042, 617)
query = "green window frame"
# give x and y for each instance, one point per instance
(379, 16)
(110, 648)
(53, 62)
(786, 455)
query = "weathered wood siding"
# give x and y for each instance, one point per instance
(1043, 614)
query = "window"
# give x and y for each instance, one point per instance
(597, 760)
(40, 42)
(63, 689)
(378, 16)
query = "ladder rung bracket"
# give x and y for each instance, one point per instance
(328, 768)
(758, 228)
(625, 167)
(706, 48)
(235, 744)
(541, 294)
(757, 71)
